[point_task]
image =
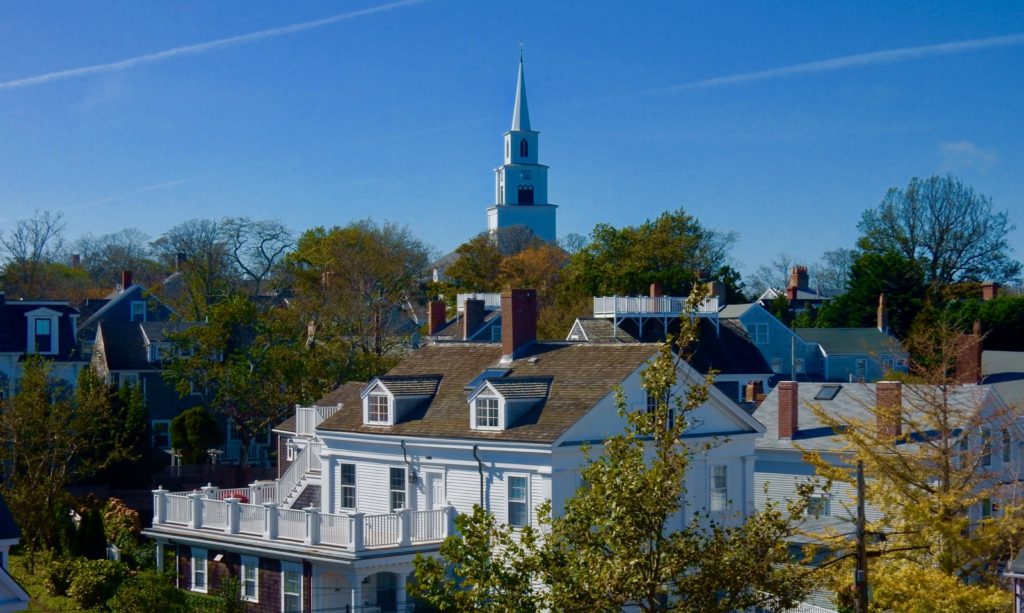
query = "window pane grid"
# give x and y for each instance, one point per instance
(348, 486)
(378, 408)
(487, 412)
(397, 488)
(518, 513)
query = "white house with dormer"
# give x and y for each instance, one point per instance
(376, 472)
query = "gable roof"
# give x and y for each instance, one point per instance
(452, 329)
(414, 385)
(598, 330)
(14, 326)
(733, 311)
(125, 342)
(854, 401)
(515, 388)
(1004, 370)
(581, 375)
(852, 341)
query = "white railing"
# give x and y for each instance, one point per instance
(803, 607)
(492, 301)
(380, 529)
(612, 306)
(215, 514)
(355, 531)
(179, 509)
(429, 525)
(308, 459)
(251, 519)
(291, 524)
(308, 418)
(334, 529)
(262, 491)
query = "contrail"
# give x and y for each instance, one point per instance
(889, 56)
(232, 41)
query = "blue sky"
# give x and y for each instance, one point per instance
(779, 121)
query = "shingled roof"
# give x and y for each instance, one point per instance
(852, 341)
(521, 387)
(580, 375)
(414, 385)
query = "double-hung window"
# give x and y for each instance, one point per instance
(486, 412)
(378, 409)
(199, 562)
(759, 334)
(986, 447)
(397, 480)
(138, 310)
(719, 487)
(518, 501)
(348, 485)
(43, 336)
(291, 588)
(653, 400)
(250, 579)
(1007, 449)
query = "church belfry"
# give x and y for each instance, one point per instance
(521, 183)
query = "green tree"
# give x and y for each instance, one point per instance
(193, 432)
(477, 267)
(614, 546)
(250, 365)
(355, 287)
(872, 274)
(931, 481)
(949, 229)
(51, 437)
(147, 591)
(1002, 320)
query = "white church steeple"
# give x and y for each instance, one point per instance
(521, 183)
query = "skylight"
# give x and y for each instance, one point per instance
(488, 373)
(828, 392)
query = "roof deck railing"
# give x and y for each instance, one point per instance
(492, 300)
(660, 306)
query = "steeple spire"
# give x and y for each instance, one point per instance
(521, 114)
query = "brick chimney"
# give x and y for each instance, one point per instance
(883, 314)
(753, 391)
(968, 356)
(789, 403)
(472, 316)
(655, 290)
(798, 278)
(76, 260)
(716, 289)
(436, 316)
(179, 260)
(518, 321)
(989, 290)
(126, 279)
(889, 408)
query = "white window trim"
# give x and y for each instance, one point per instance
(132, 310)
(250, 562)
(152, 426)
(756, 328)
(354, 486)
(287, 567)
(200, 555)
(712, 489)
(378, 391)
(405, 488)
(488, 395)
(30, 337)
(509, 501)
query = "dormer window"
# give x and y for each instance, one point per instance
(378, 409)
(486, 412)
(42, 331)
(44, 336)
(138, 310)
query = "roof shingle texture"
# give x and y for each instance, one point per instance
(847, 341)
(581, 375)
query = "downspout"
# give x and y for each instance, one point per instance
(480, 469)
(409, 474)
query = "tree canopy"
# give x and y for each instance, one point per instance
(951, 230)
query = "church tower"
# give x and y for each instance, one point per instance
(521, 184)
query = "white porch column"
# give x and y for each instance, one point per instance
(328, 466)
(160, 556)
(159, 505)
(748, 484)
(270, 520)
(357, 592)
(404, 527)
(400, 592)
(196, 499)
(449, 526)
(231, 526)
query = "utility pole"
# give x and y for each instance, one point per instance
(861, 575)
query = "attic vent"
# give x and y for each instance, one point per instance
(533, 360)
(828, 392)
(488, 373)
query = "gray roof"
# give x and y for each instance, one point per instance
(1004, 370)
(521, 387)
(853, 402)
(602, 331)
(452, 329)
(733, 311)
(852, 341)
(418, 385)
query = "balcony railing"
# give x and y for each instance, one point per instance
(492, 301)
(621, 306)
(206, 511)
(308, 418)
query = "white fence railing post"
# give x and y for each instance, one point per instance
(404, 527)
(449, 525)
(356, 531)
(159, 505)
(209, 491)
(231, 523)
(197, 510)
(312, 525)
(270, 520)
